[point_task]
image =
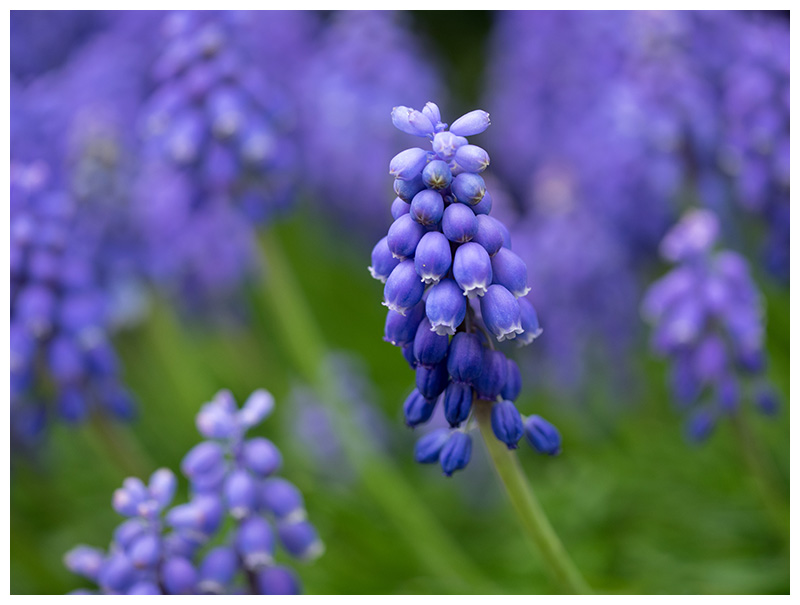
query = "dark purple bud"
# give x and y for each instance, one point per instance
(427, 207)
(501, 313)
(261, 456)
(542, 436)
(277, 580)
(408, 355)
(179, 576)
(465, 361)
(428, 447)
(767, 400)
(484, 207)
(383, 261)
(468, 188)
(65, 360)
(145, 551)
(35, 307)
(445, 145)
(241, 494)
(472, 269)
(432, 380)
(700, 425)
(509, 270)
(446, 307)
(72, 405)
(529, 321)
(399, 208)
(417, 409)
(457, 402)
(282, 499)
(472, 158)
(437, 175)
(432, 258)
(429, 347)
(474, 122)
(300, 539)
(406, 190)
(255, 542)
(403, 237)
(408, 164)
(456, 452)
(218, 570)
(710, 359)
(401, 329)
(459, 223)
(507, 423)
(403, 289)
(493, 375)
(513, 385)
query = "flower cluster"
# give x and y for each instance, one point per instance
(62, 361)
(163, 550)
(707, 319)
(449, 272)
(219, 153)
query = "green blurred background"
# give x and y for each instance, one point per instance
(640, 510)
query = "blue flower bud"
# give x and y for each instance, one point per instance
(767, 400)
(421, 124)
(456, 452)
(408, 164)
(408, 355)
(300, 539)
(403, 289)
(493, 375)
(216, 421)
(428, 447)
(204, 464)
(501, 313)
(700, 425)
(240, 493)
(542, 436)
(282, 499)
(427, 207)
(432, 380)
(529, 321)
(429, 347)
(128, 531)
(256, 408)
(400, 115)
(513, 385)
(728, 394)
(117, 573)
(162, 487)
(402, 329)
(509, 270)
(403, 237)
(261, 456)
(202, 515)
(468, 188)
(432, 258)
(445, 145)
(145, 551)
(277, 580)
(129, 497)
(474, 122)
(406, 190)
(145, 587)
(399, 208)
(65, 360)
(417, 409)
(457, 402)
(383, 261)
(87, 561)
(459, 223)
(217, 570)
(431, 110)
(465, 361)
(255, 542)
(437, 175)
(507, 423)
(446, 307)
(472, 158)
(472, 269)
(178, 576)
(71, 405)
(35, 308)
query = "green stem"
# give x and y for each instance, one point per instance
(302, 341)
(527, 507)
(763, 474)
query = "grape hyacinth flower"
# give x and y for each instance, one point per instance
(164, 549)
(220, 155)
(708, 320)
(62, 361)
(453, 287)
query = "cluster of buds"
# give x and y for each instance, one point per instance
(229, 474)
(453, 286)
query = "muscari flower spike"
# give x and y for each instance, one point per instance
(707, 319)
(453, 286)
(164, 549)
